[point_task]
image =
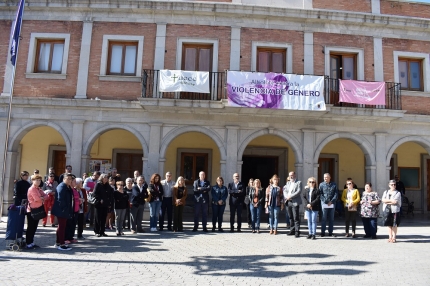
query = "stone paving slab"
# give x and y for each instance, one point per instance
(167, 258)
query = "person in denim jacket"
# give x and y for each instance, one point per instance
(328, 196)
(219, 195)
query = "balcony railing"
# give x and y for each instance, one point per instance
(392, 96)
(150, 89)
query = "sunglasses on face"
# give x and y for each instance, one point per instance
(392, 184)
(349, 183)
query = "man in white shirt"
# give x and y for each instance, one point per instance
(167, 203)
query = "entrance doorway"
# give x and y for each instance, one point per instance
(428, 185)
(59, 161)
(326, 165)
(127, 163)
(260, 167)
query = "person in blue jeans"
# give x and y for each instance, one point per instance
(256, 199)
(155, 190)
(274, 203)
(219, 194)
(328, 196)
(311, 199)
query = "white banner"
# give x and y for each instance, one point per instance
(275, 90)
(177, 80)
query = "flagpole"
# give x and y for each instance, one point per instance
(14, 57)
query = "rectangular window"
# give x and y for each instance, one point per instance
(192, 164)
(122, 58)
(197, 57)
(271, 60)
(49, 56)
(343, 66)
(410, 74)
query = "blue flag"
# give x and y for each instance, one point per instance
(16, 32)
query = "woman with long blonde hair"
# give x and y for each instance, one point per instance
(274, 203)
(179, 197)
(256, 200)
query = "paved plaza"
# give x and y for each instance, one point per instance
(167, 258)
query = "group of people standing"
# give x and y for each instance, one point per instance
(73, 200)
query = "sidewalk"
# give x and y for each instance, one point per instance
(167, 258)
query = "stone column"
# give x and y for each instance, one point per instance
(378, 59)
(370, 175)
(235, 49)
(7, 188)
(76, 146)
(308, 166)
(85, 160)
(382, 171)
(308, 51)
(376, 6)
(232, 159)
(160, 46)
(84, 60)
(145, 169)
(153, 156)
(161, 171)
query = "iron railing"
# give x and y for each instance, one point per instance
(392, 96)
(150, 89)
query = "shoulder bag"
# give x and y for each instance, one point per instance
(91, 199)
(38, 213)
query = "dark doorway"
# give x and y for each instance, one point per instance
(259, 167)
(326, 165)
(59, 161)
(127, 163)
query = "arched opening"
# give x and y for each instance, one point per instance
(117, 148)
(410, 162)
(343, 159)
(40, 148)
(267, 155)
(191, 152)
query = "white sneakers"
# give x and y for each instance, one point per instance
(153, 229)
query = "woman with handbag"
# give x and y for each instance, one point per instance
(311, 198)
(35, 209)
(219, 194)
(274, 203)
(256, 199)
(392, 200)
(49, 188)
(179, 199)
(369, 211)
(122, 203)
(350, 199)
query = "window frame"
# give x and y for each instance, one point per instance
(197, 46)
(272, 50)
(409, 61)
(104, 76)
(197, 41)
(425, 71)
(288, 47)
(36, 60)
(341, 56)
(124, 44)
(328, 50)
(32, 54)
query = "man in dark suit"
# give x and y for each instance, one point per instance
(202, 188)
(236, 201)
(293, 201)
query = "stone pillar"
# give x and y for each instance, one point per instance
(145, 169)
(232, 159)
(7, 185)
(376, 7)
(161, 171)
(8, 71)
(382, 171)
(370, 175)
(76, 146)
(84, 60)
(153, 156)
(160, 46)
(85, 160)
(308, 51)
(223, 168)
(308, 166)
(235, 49)
(378, 59)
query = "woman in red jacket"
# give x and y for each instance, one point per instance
(35, 197)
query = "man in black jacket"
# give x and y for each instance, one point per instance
(137, 200)
(202, 188)
(236, 201)
(21, 189)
